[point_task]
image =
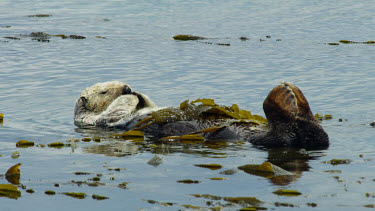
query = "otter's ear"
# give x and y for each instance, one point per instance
(281, 104)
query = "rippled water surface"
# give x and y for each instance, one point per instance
(131, 41)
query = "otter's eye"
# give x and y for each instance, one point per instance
(103, 93)
(84, 100)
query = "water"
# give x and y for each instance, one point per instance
(40, 81)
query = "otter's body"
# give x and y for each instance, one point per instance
(290, 120)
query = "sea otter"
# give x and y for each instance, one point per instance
(290, 121)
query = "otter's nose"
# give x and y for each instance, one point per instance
(126, 90)
(84, 100)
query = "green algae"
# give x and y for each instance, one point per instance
(24, 143)
(281, 192)
(184, 37)
(9, 191)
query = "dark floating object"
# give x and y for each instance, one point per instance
(243, 38)
(268, 36)
(12, 38)
(354, 42)
(188, 37)
(372, 124)
(39, 16)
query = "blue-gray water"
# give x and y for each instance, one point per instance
(40, 81)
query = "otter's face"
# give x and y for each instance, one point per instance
(98, 97)
(104, 104)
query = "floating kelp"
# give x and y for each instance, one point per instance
(98, 197)
(323, 117)
(338, 161)
(12, 38)
(49, 192)
(243, 38)
(75, 195)
(30, 191)
(14, 170)
(187, 37)
(56, 145)
(229, 172)
(81, 173)
(218, 178)
(188, 181)
(15, 155)
(1, 116)
(86, 139)
(10, 191)
(202, 109)
(39, 16)
(354, 42)
(372, 124)
(24, 143)
(155, 161)
(123, 185)
(244, 200)
(189, 137)
(211, 166)
(281, 192)
(267, 170)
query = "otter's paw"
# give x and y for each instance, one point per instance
(281, 103)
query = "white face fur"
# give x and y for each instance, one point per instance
(106, 104)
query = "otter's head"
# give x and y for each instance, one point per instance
(104, 104)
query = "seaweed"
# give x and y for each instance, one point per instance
(77, 195)
(188, 181)
(338, 161)
(10, 191)
(39, 16)
(24, 143)
(56, 145)
(244, 200)
(185, 37)
(50, 192)
(355, 42)
(98, 197)
(211, 166)
(281, 192)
